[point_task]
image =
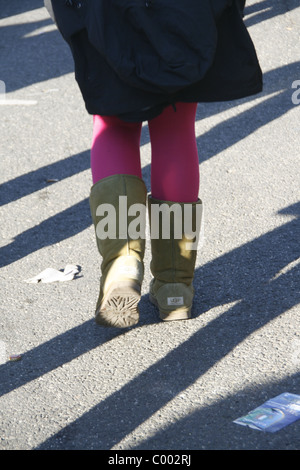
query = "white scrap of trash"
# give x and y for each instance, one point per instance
(53, 275)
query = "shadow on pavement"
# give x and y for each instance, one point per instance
(249, 274)
(266, 10)
(15, 7)
(256, 278)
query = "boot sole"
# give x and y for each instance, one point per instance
(165, 315)
(119, 307)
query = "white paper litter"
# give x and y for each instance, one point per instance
(53, 275)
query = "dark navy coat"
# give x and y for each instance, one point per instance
(134, 57)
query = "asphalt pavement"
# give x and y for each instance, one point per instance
(67, 383)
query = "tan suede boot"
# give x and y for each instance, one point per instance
(118, 209)
(174, 239)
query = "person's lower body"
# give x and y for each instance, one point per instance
(119, 193)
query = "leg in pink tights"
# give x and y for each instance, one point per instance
(115, 148)
(175, 164)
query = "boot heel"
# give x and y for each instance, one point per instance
(183, 312)
(175, 314)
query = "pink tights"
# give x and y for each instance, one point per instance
(174, 160)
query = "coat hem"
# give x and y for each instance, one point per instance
(150, 112)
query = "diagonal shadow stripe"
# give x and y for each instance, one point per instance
(266, 10)
(36, 180)
(54, 353)
(63, 225)
(233, 130)
(211, 427)
(261, 301)
(110, 421)
(15, 7)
